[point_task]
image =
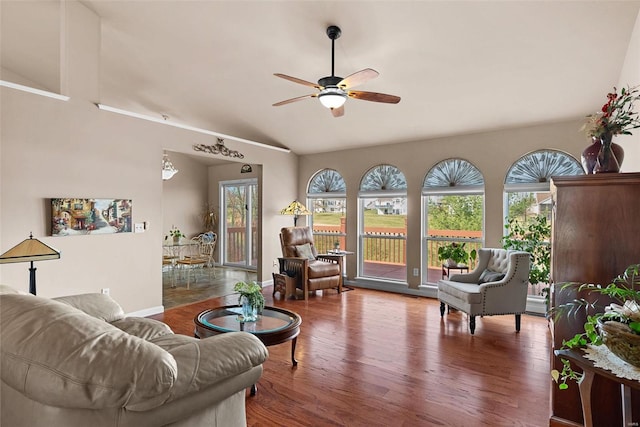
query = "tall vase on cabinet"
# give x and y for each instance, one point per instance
(602, 155)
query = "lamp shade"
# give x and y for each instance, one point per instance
(296, 209)
(167, 168)
(29, 250)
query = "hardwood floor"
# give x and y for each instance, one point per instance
(370, 358)
(204, 283)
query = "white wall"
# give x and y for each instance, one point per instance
(50, 148)
(630, 76)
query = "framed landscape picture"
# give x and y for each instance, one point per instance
(90, 216)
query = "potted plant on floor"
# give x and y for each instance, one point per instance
(251, 300)
(617, 327)
(534, 237)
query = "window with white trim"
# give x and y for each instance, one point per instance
(382, 222)
(327, 201)
(527, 201)
(452, 212)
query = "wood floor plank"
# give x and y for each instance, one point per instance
(370, 358)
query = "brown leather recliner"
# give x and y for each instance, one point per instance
(301, 260)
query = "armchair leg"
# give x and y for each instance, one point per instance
(518, 316)
(472, 324)
(441, 309)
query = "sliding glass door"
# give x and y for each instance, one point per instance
(240, 202)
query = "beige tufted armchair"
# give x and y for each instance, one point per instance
(498, 285)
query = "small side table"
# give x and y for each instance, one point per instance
(590, 370)
(342, 254)
(446, 270)
(284, 284)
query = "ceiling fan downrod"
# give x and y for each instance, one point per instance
(333, 32)
(332, 81)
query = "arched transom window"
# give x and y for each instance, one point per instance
(383, 178)
(540, 166)
(453, 173)
(327, 181)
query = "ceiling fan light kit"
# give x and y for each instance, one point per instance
(334, 90)
(332, 97)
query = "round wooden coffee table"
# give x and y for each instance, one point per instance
(274, 326)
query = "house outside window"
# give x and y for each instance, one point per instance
(452, 212)
(327, 201)
(527, 194)
(382, 225)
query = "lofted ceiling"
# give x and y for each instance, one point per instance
(459, 66)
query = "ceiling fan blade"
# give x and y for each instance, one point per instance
(338, 112)
(374, 96)
(297, 80)
(358, 78)
(299, 98)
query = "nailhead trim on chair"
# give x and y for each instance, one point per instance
(518, 265)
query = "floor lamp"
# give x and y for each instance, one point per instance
(30, 250)
(296, 209)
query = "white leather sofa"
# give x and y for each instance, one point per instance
(78, 361)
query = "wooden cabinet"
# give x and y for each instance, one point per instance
(595, 237)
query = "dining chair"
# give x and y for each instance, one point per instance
(192, 260)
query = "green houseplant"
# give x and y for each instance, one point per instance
(176, 234)
(617, 116)
(533, 237)
(455, 253)
(621, 315)
(251, 299)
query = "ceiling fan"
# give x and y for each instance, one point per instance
(335, 90)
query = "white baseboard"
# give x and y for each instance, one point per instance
(397, 287)
(147, 311)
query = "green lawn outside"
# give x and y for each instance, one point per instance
(372, 219)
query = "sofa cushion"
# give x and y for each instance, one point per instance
(6, 289)
(141, 327)
(304, 251)
(56, 354)
(323, 269)
(205, 362)
(490, 276)
(467, 292)
(101, 306)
